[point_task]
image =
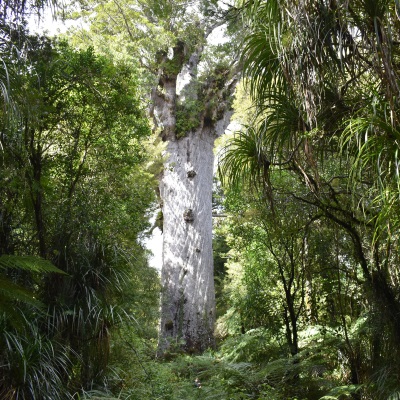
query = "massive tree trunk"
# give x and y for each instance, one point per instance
(187, 308)
(188, 300)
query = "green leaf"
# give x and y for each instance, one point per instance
(28, 263)
(339, 392)
(9, 292)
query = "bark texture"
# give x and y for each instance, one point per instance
(187, 277)
(187, 308)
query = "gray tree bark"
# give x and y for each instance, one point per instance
(187, 305)
(187, 277)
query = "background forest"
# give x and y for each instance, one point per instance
(306, 200)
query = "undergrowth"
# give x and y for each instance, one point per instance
(254, 365)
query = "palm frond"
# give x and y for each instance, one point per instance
(372, 143)
(244, 158)
(261, 63)
(283, 126)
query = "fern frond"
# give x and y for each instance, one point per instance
(11, 292)
(28, 263)
(342, 392)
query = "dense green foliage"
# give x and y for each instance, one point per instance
(316, 239)
(73, 199)
(307, 206)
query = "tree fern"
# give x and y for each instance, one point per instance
(12, 292)
(28, 263)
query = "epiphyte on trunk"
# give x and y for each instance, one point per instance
(188, 215)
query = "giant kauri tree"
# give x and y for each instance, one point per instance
(191, 84)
